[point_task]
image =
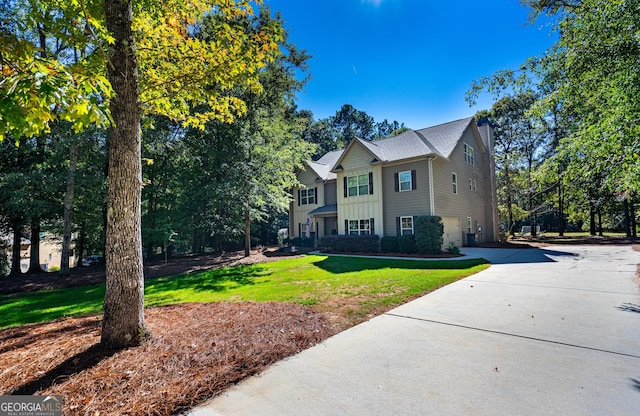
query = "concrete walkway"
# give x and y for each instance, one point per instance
(541, 332)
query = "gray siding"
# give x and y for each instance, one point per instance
(307, 177)
(330, 195)
(405, 203)
(467, 202)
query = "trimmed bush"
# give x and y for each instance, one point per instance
(351, 243)
(453, 248)
(429, 231)
(407, 244)
(301, 242)
(389, 244)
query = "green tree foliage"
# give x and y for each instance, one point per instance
(336, 132)
(588, 93)
(154, 65)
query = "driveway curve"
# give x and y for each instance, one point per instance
(551, 331)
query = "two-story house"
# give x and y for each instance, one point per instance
(379, 187)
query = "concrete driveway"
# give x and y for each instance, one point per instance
(542, 332)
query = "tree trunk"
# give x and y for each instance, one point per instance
(600, 221)
(15, 250)
(632, 216)
(34, 256)
(123, 323)
(81, 240)
(592, 219)
(151, 215)
(627, 220)
(68, 210)
(560, 210)
(247, 231)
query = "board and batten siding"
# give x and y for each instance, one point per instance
(300, 212)
(467, 202)
(413, 202)
(362, 207)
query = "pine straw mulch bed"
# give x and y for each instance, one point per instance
(197, 351)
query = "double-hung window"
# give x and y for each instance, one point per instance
(404, 179)
(307, 196)
(454, 182)
(359, 227)
(358, 185)
(406, 225)
(469, 156)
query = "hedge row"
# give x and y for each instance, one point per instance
(428, 239)
(351, 243)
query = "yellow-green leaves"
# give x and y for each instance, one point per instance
(34, 91)
(181, 76)
(180, 71)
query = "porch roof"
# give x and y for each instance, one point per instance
(325, 210)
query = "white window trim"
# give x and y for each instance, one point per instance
(469, 155)
(357, 187)
(400, 181)
(454, 182)
(402, 228)
(304, 199)
(359, 230)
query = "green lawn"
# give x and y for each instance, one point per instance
(320, 281)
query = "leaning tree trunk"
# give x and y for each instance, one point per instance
(123, 323)
(68, 210)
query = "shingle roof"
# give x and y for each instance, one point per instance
(327, 209)
(444, 137)
(437, 140)
(322, 167)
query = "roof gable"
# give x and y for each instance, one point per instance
(440, 140)
(322, 167)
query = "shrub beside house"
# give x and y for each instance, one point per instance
(383, 187)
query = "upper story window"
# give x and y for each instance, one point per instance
(469, 155)
(307, 196)
(454, 182)
(405, 180)
(358, 185)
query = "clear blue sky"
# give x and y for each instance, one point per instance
(406, 60)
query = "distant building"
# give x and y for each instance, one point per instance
(50, 252)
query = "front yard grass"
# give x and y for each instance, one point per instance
(352, 288)
(210, 329)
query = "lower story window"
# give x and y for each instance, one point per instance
(359, 227)
(406, 225)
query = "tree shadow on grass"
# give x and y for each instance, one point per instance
(79, 362)
(344, 264)
(216, 280)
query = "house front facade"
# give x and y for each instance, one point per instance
(380, 187)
